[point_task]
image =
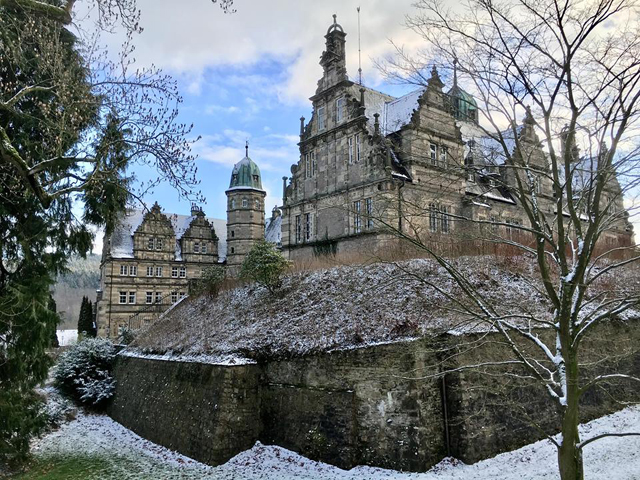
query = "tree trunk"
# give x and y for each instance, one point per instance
(569, 455)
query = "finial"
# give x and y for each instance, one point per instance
(455, 71)
(376, 123)
(528, 117)
(246, 148)
(335, 19)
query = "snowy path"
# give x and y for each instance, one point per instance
(134, 457)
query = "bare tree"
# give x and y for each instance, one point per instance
(557, 85)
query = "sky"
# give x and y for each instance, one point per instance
(249, 75)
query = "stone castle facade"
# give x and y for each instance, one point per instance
(419, 164)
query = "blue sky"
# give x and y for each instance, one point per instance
(248, 76)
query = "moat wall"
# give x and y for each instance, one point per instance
(378, 405)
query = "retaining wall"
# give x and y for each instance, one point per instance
(376, 405)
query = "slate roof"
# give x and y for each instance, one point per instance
(120, 243)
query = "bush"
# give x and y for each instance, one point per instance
(84, 371)
(264, 265)
(210, 282)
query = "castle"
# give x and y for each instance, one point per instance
(367, 161)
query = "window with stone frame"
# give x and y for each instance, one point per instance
(358, 148)
(196, 247)
(174, 272)
(174, 297)
(123, 297)
(204, 247)
(494, 223)
(443, 156)
(350, 144)
(151, 243)
(322, 118)
(123, 270)
(158, 297)
(158, 271)
(132, 297)
(245, 203)
(433, 217)
(182, 295)
(357, 218)
(433, 154)
(149, 297)
(307, 226)
(314, 163)
(444, 219)
(158, 244)
(233, 203)
(183, 272)
(369, 210)
(149, 271)
(340, 104)
(537, 184)
(133, 270)
(298, 229)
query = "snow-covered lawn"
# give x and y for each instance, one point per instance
(127, 456)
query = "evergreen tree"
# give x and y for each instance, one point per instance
(53, 342)
(82, 328)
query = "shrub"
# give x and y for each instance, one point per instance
(84, 371)
(265, 265)
(210, 282)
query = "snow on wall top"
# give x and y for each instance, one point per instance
(120, 245)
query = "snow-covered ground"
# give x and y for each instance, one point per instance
(67, 337)
(607, 459)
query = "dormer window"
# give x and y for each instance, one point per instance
(204, 247)
(158, 244)
(256, 179)
(196, 247)
(151, 243)
(235, 178)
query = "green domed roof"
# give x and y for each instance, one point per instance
(246, 174)
(463, 103)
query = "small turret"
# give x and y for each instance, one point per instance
(245, 211)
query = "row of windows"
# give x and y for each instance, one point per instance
(155, 243)
(245, 203)
(354, 155)
(150, 297)
(154, 271)
(340, 114)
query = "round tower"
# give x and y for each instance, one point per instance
(245, 211)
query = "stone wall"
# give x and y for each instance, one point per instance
(377, 405)
(207, 412)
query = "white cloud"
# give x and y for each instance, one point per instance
(187, 38)
(211, 109)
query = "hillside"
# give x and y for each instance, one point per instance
(82, 278)
(342, 307)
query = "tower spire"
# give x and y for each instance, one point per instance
(246, 149)
(359, 51)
